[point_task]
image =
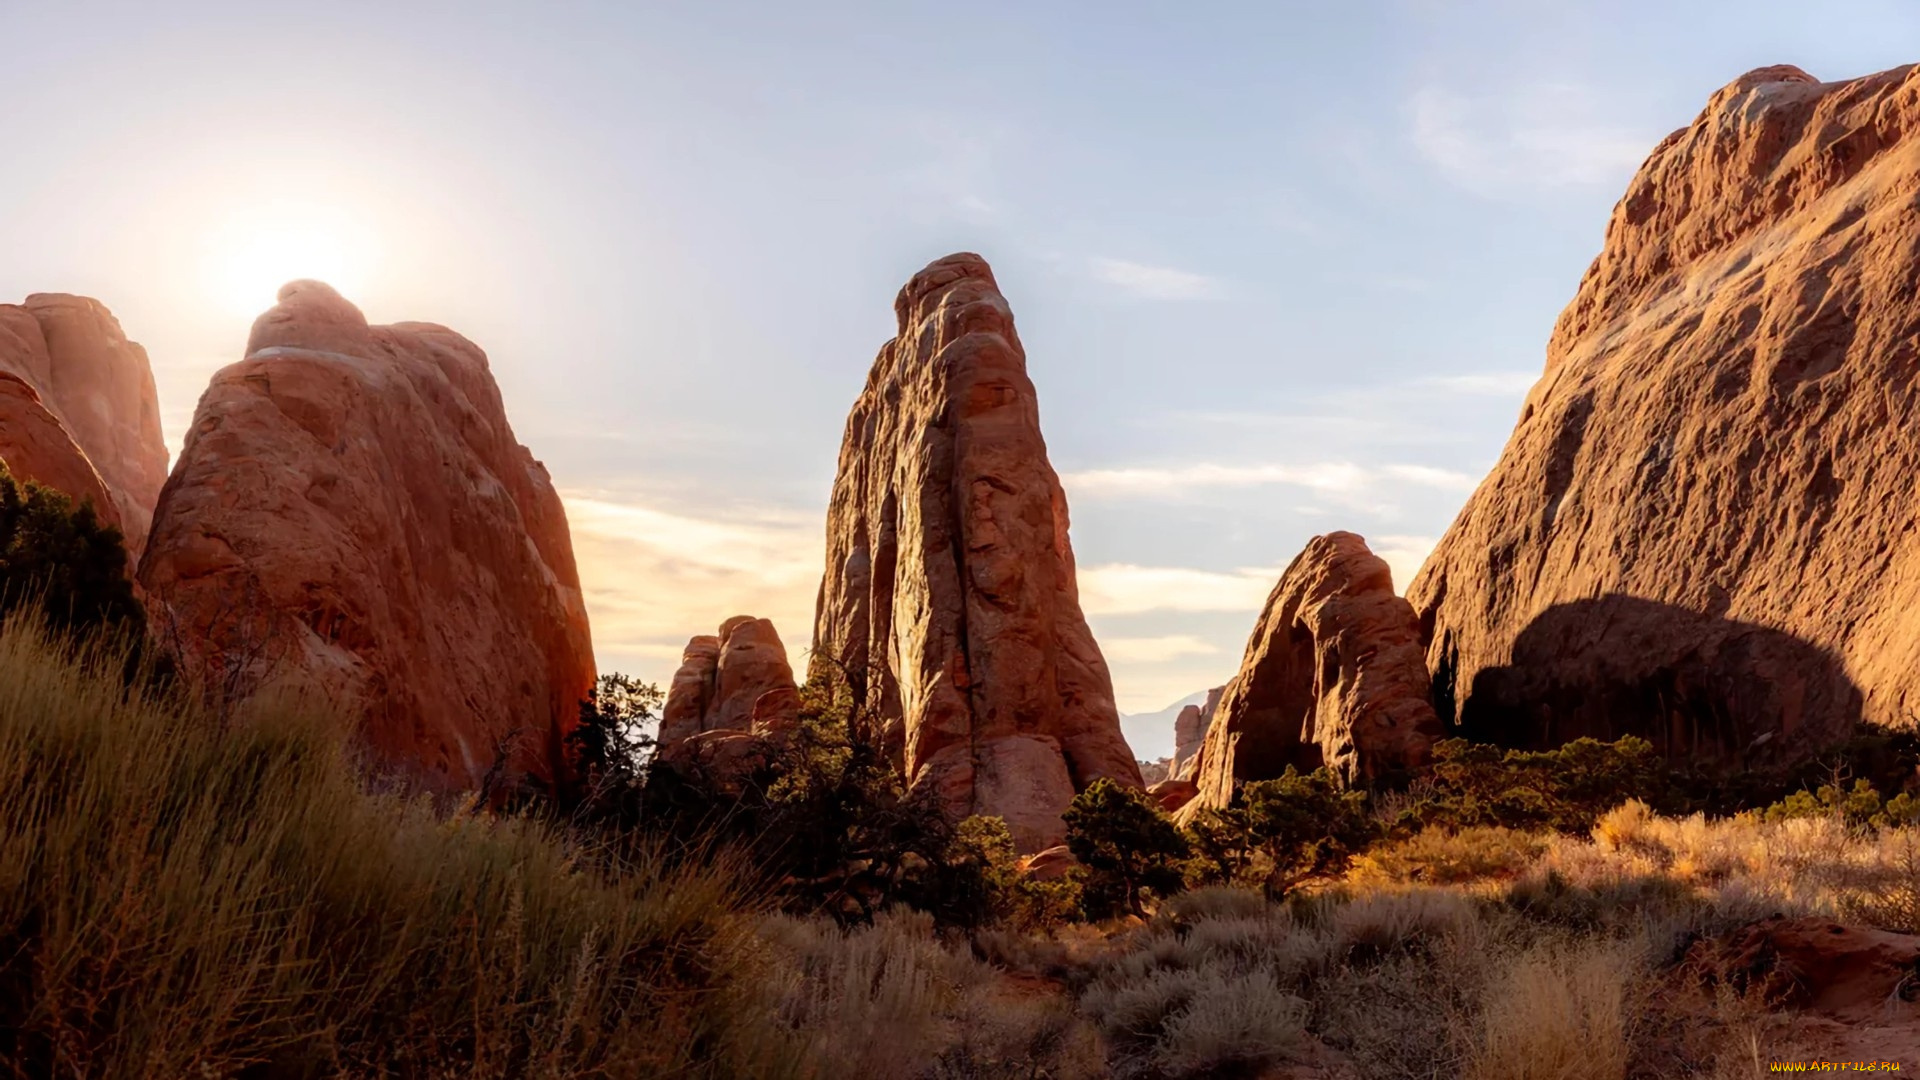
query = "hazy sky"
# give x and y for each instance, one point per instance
(1280, 268)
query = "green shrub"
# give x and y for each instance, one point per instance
(1859, 806)
(60, 559)
(1306, 826)
(1566, 789)
(1127, 845)
(1222, 845)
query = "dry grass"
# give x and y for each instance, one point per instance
(893, 1000)
(1558, 1014)
(1436, 856)
(185, 897)
(1561, 966)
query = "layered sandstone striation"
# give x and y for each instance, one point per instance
(352, 513)
(949, 604)
(1702, 531)
(1334, 675)
(78, 410)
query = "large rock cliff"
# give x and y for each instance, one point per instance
(949, 602)
(78, 411)
(351, 511)
(1702, 530)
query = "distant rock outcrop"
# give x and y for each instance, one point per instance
(1333, 675)
(1190, 732)
(351, 512)
(949, 604)
(78, 411)
(737, 680)
(1703, 529)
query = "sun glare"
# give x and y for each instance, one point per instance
(248, 256)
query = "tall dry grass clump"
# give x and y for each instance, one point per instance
(181, 896)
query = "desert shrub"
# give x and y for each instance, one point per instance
(606, 753)
(1222, 845)
(1127, 845)
(1305, 826)
(1859, 805)
(183, 896)
(1437, 856)
(1557, 1014)
(1212, 902)
(1566, 789)
(833, 826)
(980, 883)
(1239, 1023)
(891, 999)
(59, 560)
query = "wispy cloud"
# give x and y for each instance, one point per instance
(1554, 135)
(1336, 477)
(1126, 589)
(1486, 383)
(1154, 282)
(1403, 555)
(654, 578)
(1149, 650)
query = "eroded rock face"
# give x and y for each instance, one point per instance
(78, 410)
(1173, 793)
(1333, 675)
(351, 512)
(1701, 530)
(734, 681)
(1190, 731)
(949, 602)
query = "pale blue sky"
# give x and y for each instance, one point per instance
(1279, 268)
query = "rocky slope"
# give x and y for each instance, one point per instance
(1333, 675)
(351, 511)
(78, 411)
(1702, 529)
(949, 602)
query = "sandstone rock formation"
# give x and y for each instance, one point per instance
(1851, 989)
(1190, 731)
(949, 603)
(1333, 675)
(78, 411)
(351, 512)
(1702, 530)
(739, 680)
(1173, 793)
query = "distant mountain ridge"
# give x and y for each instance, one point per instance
(1150, 734)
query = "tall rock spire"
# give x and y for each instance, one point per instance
(949, 604)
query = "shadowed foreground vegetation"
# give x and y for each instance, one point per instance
(185, 897)
(186, 892)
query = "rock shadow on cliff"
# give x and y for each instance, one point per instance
(1714, 691)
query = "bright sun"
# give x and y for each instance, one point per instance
(250, 254)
